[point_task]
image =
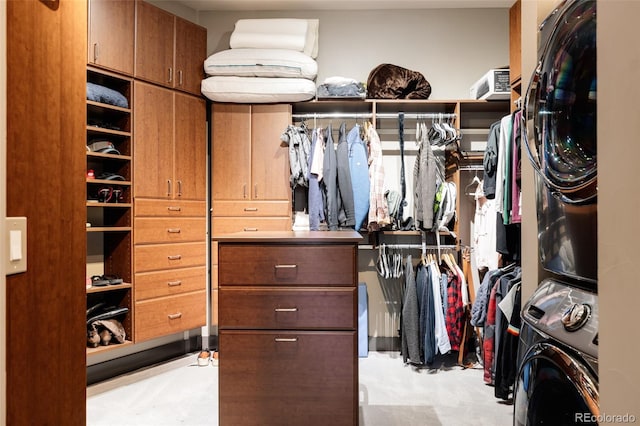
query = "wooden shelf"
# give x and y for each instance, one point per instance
(105, 131)
(109, 229)
(110, 205)
(102, 289)
(100, 349)
(109, 182)
(102, 155)
(108, 106)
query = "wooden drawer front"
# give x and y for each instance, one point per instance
(251, 208)
(254, 264)
(226, 225)
(286, 308)
(168, 230)
(167, 315)
(154, 257)
(168, 283)
(176, 208)
(288, 378)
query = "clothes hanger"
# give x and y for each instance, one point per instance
(475, 180)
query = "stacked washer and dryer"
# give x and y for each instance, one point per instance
(557, 382)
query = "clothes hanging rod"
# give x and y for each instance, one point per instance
(471, 168)
(408, 247)
(325, 115)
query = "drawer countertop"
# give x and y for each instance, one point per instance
(290, 237)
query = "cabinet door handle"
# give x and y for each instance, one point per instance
(286, 266)
(95, 52)
(170, 75)
(250, 229)
(179, 188)
(244, 191)
(250, 209)
(286, 309)
(175, 257)
(255, 191)
(174, 283)
(175, 316)
(286, 339)
(168, 187)
(173, 230)
(174, 209)
(179, 77)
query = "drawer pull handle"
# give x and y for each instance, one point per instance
(175, 257)
(173, 230)
(286, 266)
(250, 229)
(250, 209)
(286, 339)
(174, 283)
(286, 309)
(175, 316)
(174, 209)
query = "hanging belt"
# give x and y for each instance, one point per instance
(403, 183)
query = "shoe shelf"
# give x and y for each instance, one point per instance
(109, 201)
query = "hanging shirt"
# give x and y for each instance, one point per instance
(330, 180)
(358, 167)
(378, 208)
(442, 343)
(484, 231)
(410, 333)
(424, 180)
(346, 210)
(316, 159)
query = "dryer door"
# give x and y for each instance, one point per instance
(561, 105)
(553, 388)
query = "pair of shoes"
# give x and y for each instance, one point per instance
(203, 358)
(103, 280)
(214, 359)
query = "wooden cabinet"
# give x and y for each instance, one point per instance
(170, 51)
(287, 328)
(170, 267)
(111, 35)
(171, 149)
(515, 51)
(250, 169)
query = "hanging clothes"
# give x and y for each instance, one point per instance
(378, 208)
(490, 162)
(424, 179)
(484, 231)
(516, 189)
(330, 180)
(358, 167)
(440, 328)
(316, 161)
(426, 314)
(346, 210)
(454, 310)
(410, 325)
(297, 139)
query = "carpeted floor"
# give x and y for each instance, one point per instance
(391, 394)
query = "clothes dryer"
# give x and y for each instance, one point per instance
(561, 140)
(557, 381)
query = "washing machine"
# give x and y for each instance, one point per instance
(560, 115)
(557, 381)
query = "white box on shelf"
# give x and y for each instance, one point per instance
(493, 85)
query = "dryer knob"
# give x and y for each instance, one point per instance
(576, 316)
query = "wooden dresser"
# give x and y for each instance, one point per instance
(288, 328)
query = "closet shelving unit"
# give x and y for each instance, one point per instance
(471, 117)
(109, 225)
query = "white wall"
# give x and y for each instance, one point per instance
(451, 47)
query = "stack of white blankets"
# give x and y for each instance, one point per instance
(270, 60)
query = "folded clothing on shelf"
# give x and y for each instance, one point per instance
(261, 63)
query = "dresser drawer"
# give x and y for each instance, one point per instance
(167, 230)
(168, 315)
(251, 208)
(168, 283)
(288, 378)
(227, 225)
(176, 208)
(282, 308)
(155, 257)
(273, 264)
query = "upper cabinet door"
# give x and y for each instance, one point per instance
(190, 148)
(231, 152)
(191, 51)
(111, 34)
(153, 147)
(270, 161)
(154, 44)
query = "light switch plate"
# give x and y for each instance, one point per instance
(16, 243)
